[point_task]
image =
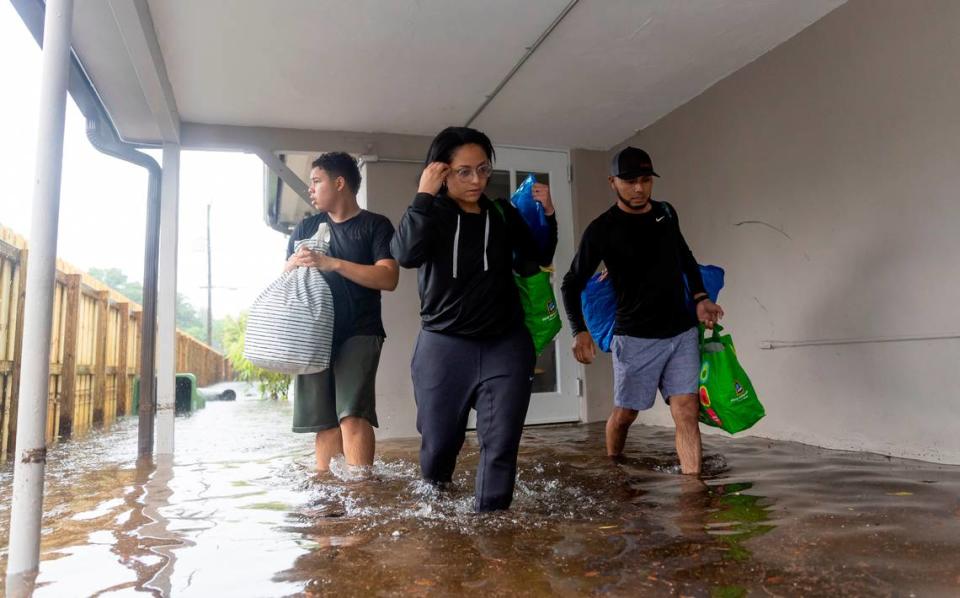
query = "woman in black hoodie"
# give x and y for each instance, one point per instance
(473, 350)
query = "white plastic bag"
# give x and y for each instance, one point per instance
(290, 325)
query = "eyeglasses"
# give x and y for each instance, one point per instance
(465, 175)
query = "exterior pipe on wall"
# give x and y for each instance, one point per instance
(373, 158)
(771, 345)
(523, 59)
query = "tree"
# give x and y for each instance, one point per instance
(189, 320)
(269, 384)
(117, 280)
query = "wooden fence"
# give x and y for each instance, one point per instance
(94, 349)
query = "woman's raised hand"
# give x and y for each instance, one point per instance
(433, 177)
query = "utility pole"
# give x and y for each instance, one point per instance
(209, 285)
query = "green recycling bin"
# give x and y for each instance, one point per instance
(187, 397)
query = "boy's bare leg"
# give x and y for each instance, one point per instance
(329, 444)
(359, 441)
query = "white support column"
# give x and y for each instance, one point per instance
(167, 299)
(31, 453)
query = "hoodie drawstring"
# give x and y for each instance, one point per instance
(486, 238)
(456, 246)
(486, 242)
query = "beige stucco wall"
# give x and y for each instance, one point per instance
(389, 190)
(824, 178)
(591, 196)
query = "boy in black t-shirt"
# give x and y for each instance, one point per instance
(339, 404)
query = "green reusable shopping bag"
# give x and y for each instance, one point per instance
(539, 304)
(539, 308)
(727, 397)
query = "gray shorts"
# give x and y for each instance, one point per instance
(642, 365)
(346, 388)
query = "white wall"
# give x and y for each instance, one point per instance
(389, 190)
(591, 196)
(847, 139)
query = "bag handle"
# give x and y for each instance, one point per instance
(715, 337)
(499, 208)
(322, 238)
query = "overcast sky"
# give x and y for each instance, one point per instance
(102, 206)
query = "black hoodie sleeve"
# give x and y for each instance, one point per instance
(412, 244)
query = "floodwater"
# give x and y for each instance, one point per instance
(241, 513)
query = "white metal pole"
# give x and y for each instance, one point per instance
(209, 284)
(167, 299)
(31, 453)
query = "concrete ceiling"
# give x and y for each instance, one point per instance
(610, 67)
(614, 67)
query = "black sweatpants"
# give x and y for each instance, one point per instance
(452, 374)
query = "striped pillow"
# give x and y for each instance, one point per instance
(290, 325)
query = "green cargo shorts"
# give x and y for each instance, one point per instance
(345, 389)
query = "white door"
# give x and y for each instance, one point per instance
(555, 394)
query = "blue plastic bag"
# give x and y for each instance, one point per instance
(712, 283)
(531, 211)
(599, 303)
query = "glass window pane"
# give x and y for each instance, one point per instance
(545, 372)
(542, 177)
(498, 187)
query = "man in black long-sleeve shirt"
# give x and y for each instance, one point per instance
(655, 339)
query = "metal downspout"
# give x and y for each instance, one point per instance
(104, 138)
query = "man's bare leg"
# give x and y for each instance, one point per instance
(359, 441)
(329, 444)
(693, 505)
(685, 409)
(617, 426)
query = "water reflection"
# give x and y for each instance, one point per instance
(739, 517)
(241, 512)
(154, 531)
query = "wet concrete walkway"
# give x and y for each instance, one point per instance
(241, 513)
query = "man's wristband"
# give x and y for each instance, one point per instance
(701, 298)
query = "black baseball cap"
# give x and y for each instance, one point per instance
(630, 163)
